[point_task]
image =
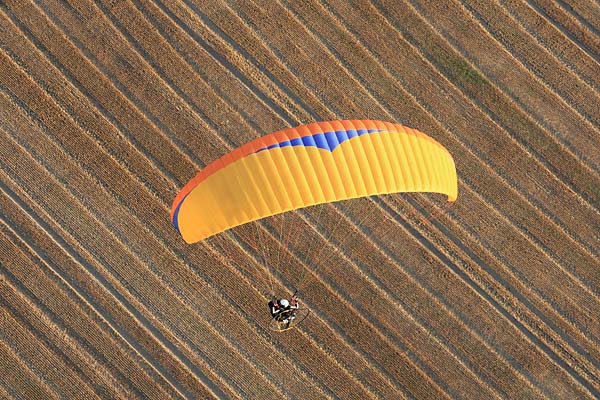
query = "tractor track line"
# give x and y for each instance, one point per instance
(120, 238)
(23, 376)
(524, 12)
(117, 237)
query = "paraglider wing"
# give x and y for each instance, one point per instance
(311, 164)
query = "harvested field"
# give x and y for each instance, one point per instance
(108, 107)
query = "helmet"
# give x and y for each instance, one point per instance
(284, 303)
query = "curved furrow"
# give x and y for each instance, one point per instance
(566, 19)
(19, 377)
(521, 228)
(551, 37)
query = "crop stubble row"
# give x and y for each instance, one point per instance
(105, 297)
(575, 263)
(21, 381)
(580, 20)
(501, 121)
(129, 276)
(18, 335)
(549, 34)
(87, 331)
(185, 128)
(538, 60)
(492, 170)
(591, 280)
(488, 324)
(91, 223)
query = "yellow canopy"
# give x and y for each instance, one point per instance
(311, 164)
